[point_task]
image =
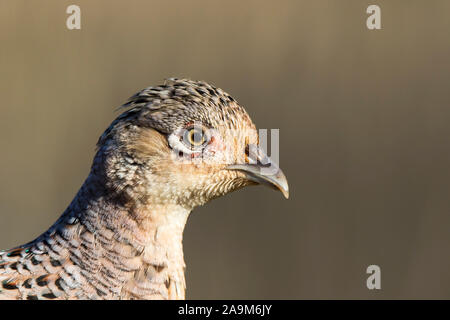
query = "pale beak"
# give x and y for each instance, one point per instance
(263, 171)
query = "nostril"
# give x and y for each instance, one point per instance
(247, 154)
(251, 154)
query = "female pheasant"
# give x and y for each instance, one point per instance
(175, 147)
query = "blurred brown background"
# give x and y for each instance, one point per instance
(363, 118)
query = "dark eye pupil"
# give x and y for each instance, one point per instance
(197, 136)
(194, 137)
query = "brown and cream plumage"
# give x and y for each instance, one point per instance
(177, 146)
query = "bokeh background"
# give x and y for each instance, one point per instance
(364, 119)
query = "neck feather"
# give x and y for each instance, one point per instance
(118, 249)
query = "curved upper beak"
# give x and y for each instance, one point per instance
(263, 171)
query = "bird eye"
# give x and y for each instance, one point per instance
(194, 137)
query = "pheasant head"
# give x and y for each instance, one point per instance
(184, 143)
(176, 146)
